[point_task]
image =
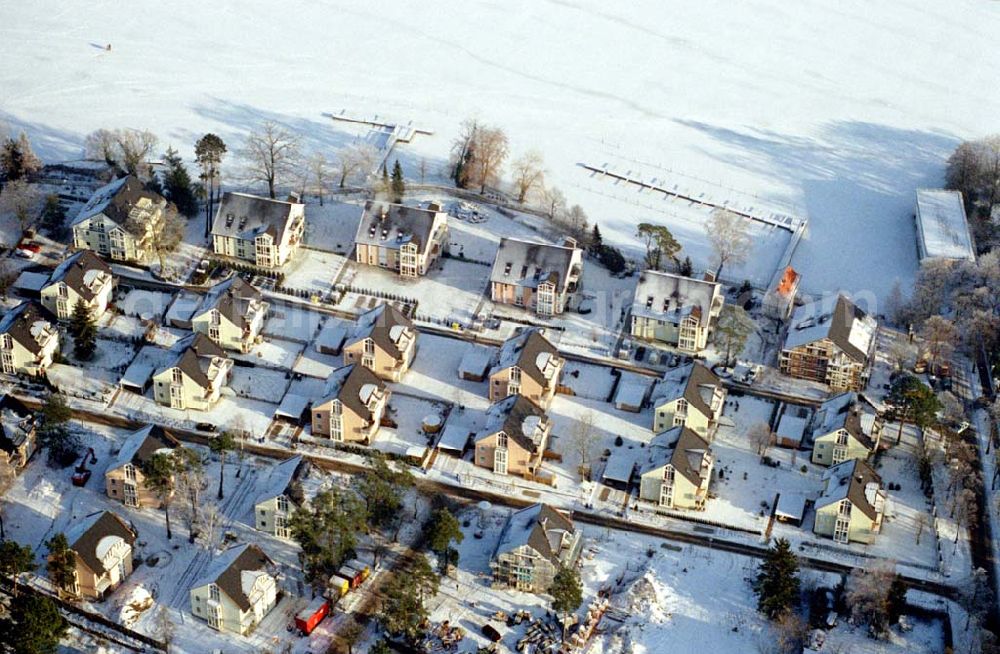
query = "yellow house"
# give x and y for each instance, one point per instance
(83, 277)
(119, 220)
(407, 240)
(237, 591)
(232, 314)
(842, 429)
(17, 436)
(527, 365)
(514, 439)
(29, 340)
(679, 470)
(691, 396)
(281, 495)
(538, 276)
(102, 543)
(675, 309)
(351, 410)
(263, 231)
(384, 341)
(124, 480)
(535, 542)
(852, 503)
(196, 376)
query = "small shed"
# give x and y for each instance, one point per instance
(475, 363)
(619, 467)
(494, 630)
(331, 337)
(293, 408)
(454, 439)
(339, 586)
(29, 284)
(630, 395)
(307, 619)
(791, 508)
(791, 430)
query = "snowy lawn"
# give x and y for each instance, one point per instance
(313, 270)
(272, 352)
(147, 305)
(259, 383)
(291, 322)
(434, 372)
(588, 380)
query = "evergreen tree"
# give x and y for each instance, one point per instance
(612, 259)
(778, 583)
(159, 472)
(384, 184)
(686, 268)
(403, 609)
(325, 530)
(596, 240)
(14, 560)
(33, 626)
(54, 433)
(896, 600)
(17, 160)
(54, 216)
(208, 152)
(83, 329)
(61, 565)
(912, 401)
(567, 592)
(222, 445)
(380, 647)
(442, 530)
(177, 184)
(397, 185)
(382, 489)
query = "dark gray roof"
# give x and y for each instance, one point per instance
(682, 448)
(227, 571)
(672, 298)
(392, 225)
(13, 436)
(347, 383)
(536, 526)
(23, 321)
(143, 443)
(509, 415)
(849, 480)
(73, 272)
(116, 200)
(525, 263)
(524, 351)
(687, 382)
(378, 323)
(231, 299)
(244, 216)
(848, 327)
(192, 351)
(84, 537)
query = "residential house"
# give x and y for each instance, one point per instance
(537, 276)
(851, 504)
(691, 396)
(843, 428)
(352, 407)
(678, 471)
(282, 493)
(384, 341)
(29, 340)
(263, 231)
(942, 226)
(232, 314)
(119, 221)
(834, 347)
(237, 591)
(514, 439)
(124, 479)
(529, 365)
(535, 542)
(407, 240)
(83, 277)
(195, 377)
(17, 435)
(103, 546)
(780, 299)
(675, 310)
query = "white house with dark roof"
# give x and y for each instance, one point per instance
(29, 340)
(538, 276)
(263, 231)
(232, 314)
(236, 591)
(195, 376)
(844, 428)
(282, 492)
(514, 438)
(125, 479)
(692, 396)
(675, 310)
(407, 240)
(535, 542)
(852, 503)
(678, 470)
(831, 345)
(119, 220)
(352, 407)
(942, 226)
(82, 277)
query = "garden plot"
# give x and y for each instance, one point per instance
(111, 354)
(333, 226)
(313, 271)
(230, 413)
(291, 322)
(407, 437)
(118, 325)
(272, 352)
(146, 305)
(434, 372)
(588, 380)
(259, 383)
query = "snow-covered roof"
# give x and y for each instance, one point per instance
(117, 200)
(149, 359)
(856, 481)
(142, 444)
(475, 361)
(942, 227)
(845, 412)
(791, 506)
(30, 325)
(694, 382)
(631, 393)
(87, 536)
(393, 225)
(683, 449)
(521, 419)
(621, 463)
(226, 571)
(848, 327)
(31, 281)
(244, 216)
(532, 353)
(84, 272)
(672, 298)
(540, 527)
(281, 477)
(332, 336)
(791, 427)
(292, 407)
(353, 385)
(528, 264)
(386, 326)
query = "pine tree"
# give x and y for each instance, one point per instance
(54, 434)
(11, 161)
(596, 240)
(177, 184)
(208, 152)
(397, 186)
(442, 530)
(61, 565)
(686, 269)
(33, 626)
(222, 445)
(385, 186)
(159, 473)
(54, 216)
(566, 592)
(777, 584)
(84, 331)
(14, 560)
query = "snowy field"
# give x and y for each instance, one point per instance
(835, 112)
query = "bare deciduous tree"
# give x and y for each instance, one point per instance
(21, 200)
(761, 437)
(127, 148)
(165, 234)
(730, 238)
(271, 155)
(528, 173)
(488, 158)
(866, 593)
(585, 439)
(554, 201)
(939, 335)
(319, 170)
(355, 161)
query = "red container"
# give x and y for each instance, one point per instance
(307, 619)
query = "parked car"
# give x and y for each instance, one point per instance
(205, 426)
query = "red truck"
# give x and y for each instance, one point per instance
(307, 619)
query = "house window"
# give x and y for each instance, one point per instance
(129, 470)
(283, 504)
(178, 377)
(213, 592)
(680, 414)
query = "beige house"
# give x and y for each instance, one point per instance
(831, 346)
(852, 503)
(537, 276)
(103, 544)
(514, 439)
(675, 310)
(678, 471)
(232, 314)
(263, 231)
(384, 341)
(124, 479)
(527, 365)
(237, 591)
(83, 277)
(691, 396)
(196, 376)
(407, 240)
(17, 436)
(281, 495)
(535, 542)
(29, 340)
(844, 428)
(352, 408)
(119, 220)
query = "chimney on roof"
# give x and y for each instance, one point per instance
(294, 197)
(569, 242)
(709, 276)
(434, 206)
